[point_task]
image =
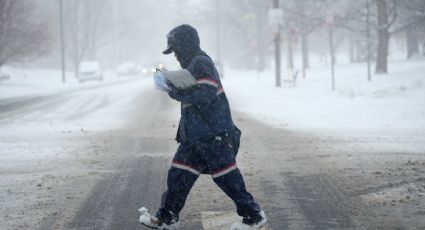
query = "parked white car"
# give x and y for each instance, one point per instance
(90, 71)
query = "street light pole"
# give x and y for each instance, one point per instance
(277, 48)
(331, 45)
(330, 21)
(217, 24)
(369, 75)
(62, 40)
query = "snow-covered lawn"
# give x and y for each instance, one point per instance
(393, 101)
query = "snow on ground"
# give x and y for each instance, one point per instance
(37, 82)
(58, 107)
(393, 101)
(369, 136)
(48, 148)
(56, 137)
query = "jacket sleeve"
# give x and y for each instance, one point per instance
(206, 89)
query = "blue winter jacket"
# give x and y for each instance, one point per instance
(205, 109)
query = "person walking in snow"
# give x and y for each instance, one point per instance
(208, 139)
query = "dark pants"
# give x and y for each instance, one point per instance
(216, 157)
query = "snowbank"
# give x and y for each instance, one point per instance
(38, 82)
(37, 101)
(393, 101)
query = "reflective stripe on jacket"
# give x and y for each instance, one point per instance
(205, 109)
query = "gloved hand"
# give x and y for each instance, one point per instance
(173, 92)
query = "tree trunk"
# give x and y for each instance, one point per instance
(304, 39)
(261, 59)
(76, 59)
(290, 55)
(290, 61)
(383, 37)
(76, 69)
(412, 43)
(332, 54)
(261, 44)
(261, 65)
(305, 54)
(352, 42)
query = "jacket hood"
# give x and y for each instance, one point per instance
(184, 42)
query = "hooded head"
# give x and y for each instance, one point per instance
(184, 42)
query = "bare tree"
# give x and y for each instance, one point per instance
(22, 37)
(411, 23)
(83, 26)
(246, 29)
(303, 18)
(387, 14)
(410, 14)
(357, 26)
(382, 20)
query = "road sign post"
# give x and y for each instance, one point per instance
(276, 19)
(330, 22)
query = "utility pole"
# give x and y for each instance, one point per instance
(303, 40)
(369, 75)
(277, 48)
(217, 24)
(217, 28)
(330, 21)
(331, 46)
(290, 53)
(62, 40)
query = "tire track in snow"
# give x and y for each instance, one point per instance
(115, 200)
(141, 177)
(16, 108)
(92, 106)
(289, 181)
